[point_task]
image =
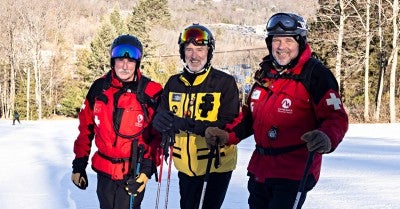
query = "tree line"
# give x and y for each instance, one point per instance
(47, 65)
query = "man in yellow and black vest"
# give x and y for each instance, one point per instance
(199, 97)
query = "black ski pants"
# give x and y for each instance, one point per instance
(190, 188)
(112, 194)
(276, 193)
(16, 119)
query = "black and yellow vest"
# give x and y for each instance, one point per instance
(213, 97)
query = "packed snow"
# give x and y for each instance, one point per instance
(36, 156)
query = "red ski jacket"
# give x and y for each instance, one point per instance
(113, 116)
(279, 110)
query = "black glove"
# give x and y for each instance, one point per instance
(166, 122)
(79, 177)
(191, 125)
(163, 121)
(182, 124)
(317, 141)
(214, 133)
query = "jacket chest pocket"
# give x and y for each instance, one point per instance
(292, 103)
(128, 116)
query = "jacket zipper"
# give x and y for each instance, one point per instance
(189, 96)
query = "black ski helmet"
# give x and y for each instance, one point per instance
(198, 35)
(126, 46)
(287, 24)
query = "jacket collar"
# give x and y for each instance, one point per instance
(198, 80)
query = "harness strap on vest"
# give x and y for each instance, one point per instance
(142, 97)
(304, 77)
(113, 160)
(205, 157)
(134, 157)
(278, 151)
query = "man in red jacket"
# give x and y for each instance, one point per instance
(117, 114)
(293, 108)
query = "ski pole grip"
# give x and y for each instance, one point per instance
(217, 162)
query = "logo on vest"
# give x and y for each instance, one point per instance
(285, 106)
(139, 120)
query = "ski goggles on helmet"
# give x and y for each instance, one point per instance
(196, 36)
(126, 50)
(284, 21)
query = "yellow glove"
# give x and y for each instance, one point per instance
(79, 177)
(142, 180)
(135, 186)
(80, 180)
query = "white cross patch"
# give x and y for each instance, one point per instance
(256, 94)
(96, 120)
(83, 106)
(334, 101)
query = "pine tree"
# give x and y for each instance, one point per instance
(99, 60)
(117, 22)
(142, 20)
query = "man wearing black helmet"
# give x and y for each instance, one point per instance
(117, 114)
(199, 97)
(293, 109)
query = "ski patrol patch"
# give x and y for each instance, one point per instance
(96, 120)
(82, 107)
(334, 101)
(256, 94)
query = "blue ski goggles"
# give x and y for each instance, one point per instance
(126, 51)
(196, 36)
(283, 21)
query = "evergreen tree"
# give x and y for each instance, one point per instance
(72, 100)
(144, 16)
(99, 60)
(117, 22)
(83, 72)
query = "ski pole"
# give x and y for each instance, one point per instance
(137, 171)
(168, 178)
(303, 181)
(164, 146)
(159, 182)
(207, 175)
(217, 162)
(169, 142)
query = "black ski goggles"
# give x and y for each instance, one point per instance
(196, 36)
(284, 21)
(126, 50)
